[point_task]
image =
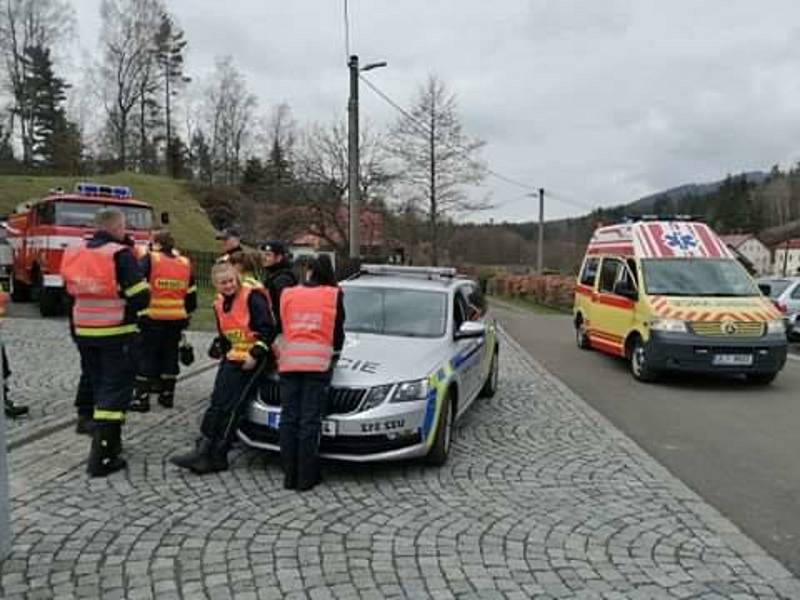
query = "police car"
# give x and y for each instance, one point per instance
(421, 347)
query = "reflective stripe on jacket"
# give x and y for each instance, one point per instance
(169, 284)
(234, 325)
(308, 317)
(91, 279)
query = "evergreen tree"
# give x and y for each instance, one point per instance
(278, 170)
(253, 177)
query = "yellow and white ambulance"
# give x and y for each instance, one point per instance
(668, 295)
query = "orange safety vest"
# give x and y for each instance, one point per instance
(90, 276)
(169, 284)
(308, 316)
(235, 324)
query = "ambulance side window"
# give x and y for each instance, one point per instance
(608, 274)
(633, 274)
(589, 273)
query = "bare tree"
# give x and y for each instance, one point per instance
(128, 30)
(322, 167)
(229, 109)
(25, 24)
(437, 157)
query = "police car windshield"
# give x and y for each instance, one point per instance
(697, 277)
(81, 214)
(384, 311)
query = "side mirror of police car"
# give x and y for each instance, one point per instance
(626, 290)
(470, 329)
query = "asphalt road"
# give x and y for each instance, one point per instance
(736, 445)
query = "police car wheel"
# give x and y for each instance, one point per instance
(444, 430)
(490, 387)
(638, 360)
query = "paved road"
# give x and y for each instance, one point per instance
(541, 498)
(738, 446)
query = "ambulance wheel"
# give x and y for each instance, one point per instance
(49, 302)
(444, 430)
(20, 292)
(490, 386)
(582, 335)
(761, 378)
(640, 369)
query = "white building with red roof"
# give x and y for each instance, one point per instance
(753, 249)
(787, 258)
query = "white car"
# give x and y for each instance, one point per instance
(421, 346)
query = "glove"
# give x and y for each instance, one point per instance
(219, 348)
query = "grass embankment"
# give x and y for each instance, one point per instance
(203, 318)
(188, 222)
(529, 304)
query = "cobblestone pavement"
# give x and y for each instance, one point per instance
(44, 364)
(541, 497)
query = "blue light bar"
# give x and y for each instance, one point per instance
(96, 189)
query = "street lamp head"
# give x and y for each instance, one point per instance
(375, 65)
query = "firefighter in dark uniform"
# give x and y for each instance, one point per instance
(312, 336)
(278, 272)
(230, 242)
(108, 291)
(12, 411)
(246, 332)
(173, 298)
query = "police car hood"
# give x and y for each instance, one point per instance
(368, 359)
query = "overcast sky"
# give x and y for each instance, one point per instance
(598, 101)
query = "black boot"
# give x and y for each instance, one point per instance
(104, 458)
(207, 457)
(141, 399)
(14, 411)
(85, 425)
(166, 399)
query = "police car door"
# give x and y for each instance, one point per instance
(468, 359)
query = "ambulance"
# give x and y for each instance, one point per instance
(669, 295)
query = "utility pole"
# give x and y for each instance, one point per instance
(786, 257)
(540, 249)
(353, 161)
(5, 508)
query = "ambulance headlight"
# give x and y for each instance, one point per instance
(668, 325)
(777, 326)
(411, 390)
(376, 396)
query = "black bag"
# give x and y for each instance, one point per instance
(185, 352)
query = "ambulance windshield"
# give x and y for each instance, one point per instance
(383, 311)
(696, 277)
(81, 214)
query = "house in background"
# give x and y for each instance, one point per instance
(787, 258)
(752, 249)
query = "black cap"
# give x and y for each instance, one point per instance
(274, 246)
(227, 233)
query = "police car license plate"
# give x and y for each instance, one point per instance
(274, 422)
(733, 360)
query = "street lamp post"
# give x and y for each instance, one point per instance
(353, 185)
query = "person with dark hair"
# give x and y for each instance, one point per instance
(230, 241)
(278, 272)
(312, 337)
(173, 298)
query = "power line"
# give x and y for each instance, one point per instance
(423, 128)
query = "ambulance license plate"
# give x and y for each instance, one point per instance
(274, 422)
(733, 360)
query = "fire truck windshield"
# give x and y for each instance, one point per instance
(81, 214)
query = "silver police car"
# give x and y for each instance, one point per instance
(421, 346)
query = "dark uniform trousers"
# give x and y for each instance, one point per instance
(227, 403)
(84, 398)
(108, 372)
(158, 355)
(303, 402)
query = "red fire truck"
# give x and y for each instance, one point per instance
(40, 230)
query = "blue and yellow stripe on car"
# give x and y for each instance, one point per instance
(438, 382)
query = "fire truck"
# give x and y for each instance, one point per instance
(40, 230)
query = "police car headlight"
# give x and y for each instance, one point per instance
(411, 390)
(668, 325)
(777, 326)
(376, 396)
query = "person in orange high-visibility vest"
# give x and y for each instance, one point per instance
(312, 336)
(246, 332)
(173, 298)
(107, 291)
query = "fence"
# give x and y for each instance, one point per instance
(202, 263)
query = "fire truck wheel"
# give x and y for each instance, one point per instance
(20, 292)
(49, 302)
